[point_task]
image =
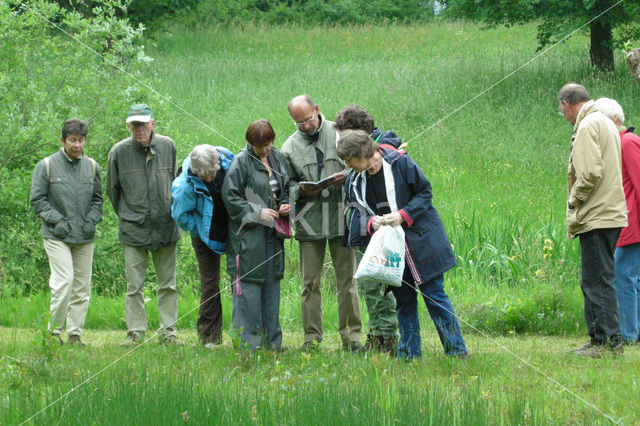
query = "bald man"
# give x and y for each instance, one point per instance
(596, 211)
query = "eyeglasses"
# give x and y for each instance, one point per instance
(307, 121)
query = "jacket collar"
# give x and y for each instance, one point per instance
(151, 146)
(71, 160)
(314, 138)
(629, 129)
(588, 108)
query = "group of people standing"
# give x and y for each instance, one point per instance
(244, 205)
(602, 211)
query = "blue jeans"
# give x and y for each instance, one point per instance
(627, 261)
(440, 310)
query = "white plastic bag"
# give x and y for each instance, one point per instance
(383, 261)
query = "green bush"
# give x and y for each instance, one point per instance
(332, 12)
(55, 64)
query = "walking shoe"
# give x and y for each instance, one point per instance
(389, 345)
(171, 341)
(584, 347)
(212, 346)
(354, 347)
(133, 338)
(57, 338)
(372, 343)
(598, 351)
(75, 341)
(310, 346)
(463, 356)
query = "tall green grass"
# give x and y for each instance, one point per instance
(163, 385)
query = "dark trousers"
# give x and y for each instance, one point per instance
(210, 313)
(440, 310)
(598, 277)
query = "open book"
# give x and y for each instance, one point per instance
(320, 184)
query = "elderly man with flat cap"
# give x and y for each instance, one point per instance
(140, 171)
(311, 155)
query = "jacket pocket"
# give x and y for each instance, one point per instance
(130, 216)
(88, 229)
(252, 254)
(62, 229)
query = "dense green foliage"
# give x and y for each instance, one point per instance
(558, 18)
(54, 65)
(146, 12)
(308, 12)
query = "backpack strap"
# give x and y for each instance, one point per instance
(47, 167)
(93, 167)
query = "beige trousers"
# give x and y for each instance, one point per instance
(312, 261)
(164, 262)
(70, 284)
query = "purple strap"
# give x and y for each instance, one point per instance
(238, 285)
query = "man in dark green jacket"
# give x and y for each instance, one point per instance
(140, 171)
(318, 220)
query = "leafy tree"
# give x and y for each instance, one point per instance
(558, 18)
(56, 64)
(136, 11)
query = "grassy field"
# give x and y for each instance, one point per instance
(509, 380)
(497, 164)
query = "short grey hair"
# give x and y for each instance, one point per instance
(573, 93)
(205, 161)
(611, 108)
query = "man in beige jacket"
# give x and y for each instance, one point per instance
(596, 211)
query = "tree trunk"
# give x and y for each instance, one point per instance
(601, 46)
(601, 38)
(633, 60)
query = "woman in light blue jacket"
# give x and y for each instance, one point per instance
(198, 208)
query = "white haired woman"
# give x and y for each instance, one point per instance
(198, 208)
(627, 255)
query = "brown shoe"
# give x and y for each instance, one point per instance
(353, 347)
(75, 341)
(389, 345)
(463, 356)
(598, 351)
(310, 346)
(584, 347)
(171, 341)
(57, 338)
(133, 338)
(373, 343)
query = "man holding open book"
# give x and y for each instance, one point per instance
(311, 156)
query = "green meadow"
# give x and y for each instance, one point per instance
(480, 113)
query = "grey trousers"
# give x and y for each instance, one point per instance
(256, 307)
